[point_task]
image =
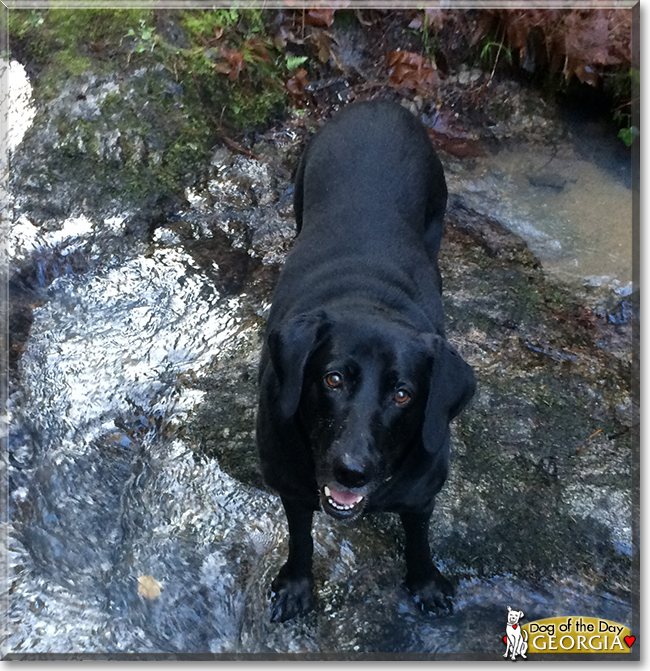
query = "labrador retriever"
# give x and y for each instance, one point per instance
(358, 383)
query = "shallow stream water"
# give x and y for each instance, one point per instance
(131, 444)
(575, 212)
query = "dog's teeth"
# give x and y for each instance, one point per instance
(339, 506)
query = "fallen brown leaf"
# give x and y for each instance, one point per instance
(448, 135)
(257, 50)
(223, 68)
(409, 70)
(297, 86)
(320, 17)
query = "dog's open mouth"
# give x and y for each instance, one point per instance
(342, 504)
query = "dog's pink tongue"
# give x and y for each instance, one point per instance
(344, 498)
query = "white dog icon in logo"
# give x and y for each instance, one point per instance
(515, 639)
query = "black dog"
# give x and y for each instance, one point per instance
(358, 383)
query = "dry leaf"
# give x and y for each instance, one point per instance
(436, 17)
(234, 63)
(149, 587)
(297, 86)
(578, 42)
(321, 41)
(587, 38)
(223, 68)
(409, 70)
(320, 17)
(448, 135)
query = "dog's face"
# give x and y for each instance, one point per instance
(365, 393)
(514, 616)
(362, 407)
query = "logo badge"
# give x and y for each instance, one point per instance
(567, 634)
(516, 638)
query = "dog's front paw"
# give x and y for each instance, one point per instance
(291, 596)
(433, 595)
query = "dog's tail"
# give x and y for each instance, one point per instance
(524, 633)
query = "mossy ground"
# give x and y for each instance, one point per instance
(172, 104)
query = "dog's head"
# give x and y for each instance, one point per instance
(365, 392)
(514, 615)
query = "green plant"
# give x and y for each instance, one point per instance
(422, 27)
(428, 39)
(204, 23)
(624, 87)
(21, 22)
(486, 52)
(295, 61)
(146, 39)
(628, 134)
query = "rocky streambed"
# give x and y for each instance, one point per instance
(137, 518)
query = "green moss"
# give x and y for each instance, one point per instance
(70, 63)
(21, 21)
(252, 108)
(202, 24)
(168, 119)
(65, 43)
(256, 94)
(82, 32)
(79, 28)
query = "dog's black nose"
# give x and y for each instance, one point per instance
(351, 472)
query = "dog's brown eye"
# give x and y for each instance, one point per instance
(333, 380)
(402, 396)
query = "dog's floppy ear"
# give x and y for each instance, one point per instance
(451, 388)
(289, 349)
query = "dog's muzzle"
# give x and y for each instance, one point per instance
(340, 504)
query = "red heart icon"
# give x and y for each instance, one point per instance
(505, 639)
(514, 626)
(630, 640)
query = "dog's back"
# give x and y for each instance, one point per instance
(369, 200)
(372, 165)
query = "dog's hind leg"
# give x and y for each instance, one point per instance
(432, 591)
(293, 587)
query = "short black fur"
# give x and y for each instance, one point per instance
(358, 383)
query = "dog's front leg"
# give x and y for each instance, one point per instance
(432, 591)
(293, 587)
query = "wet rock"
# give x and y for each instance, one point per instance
(489, 233)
